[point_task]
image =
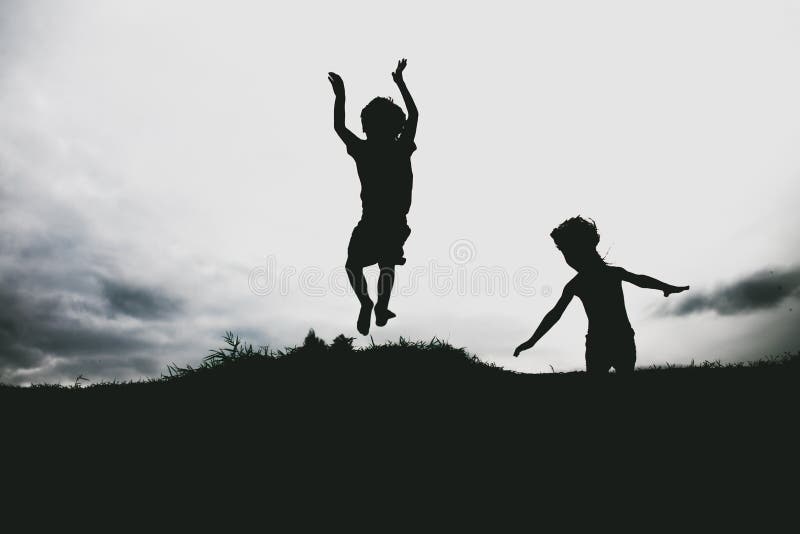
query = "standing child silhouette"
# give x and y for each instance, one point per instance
(609, 342)
(383, 161)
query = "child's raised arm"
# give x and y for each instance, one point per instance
(648, 282)
(410, 129)
(338, 110)
(549, 319)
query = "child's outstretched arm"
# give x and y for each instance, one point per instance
(549, 319)
(338, 110)
(648, 282)
(413, 114)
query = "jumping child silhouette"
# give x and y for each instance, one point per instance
(609, 342)
(383, 161)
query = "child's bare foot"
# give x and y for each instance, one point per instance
(382, 316)
(364, 317)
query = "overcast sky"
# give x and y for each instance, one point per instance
(163, 163)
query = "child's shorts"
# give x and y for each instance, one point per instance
(378, 240)
(618, 352)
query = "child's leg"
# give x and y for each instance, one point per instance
(385, 285)
(597, 361)
(355, 273)
(597, 367)
(625, 358)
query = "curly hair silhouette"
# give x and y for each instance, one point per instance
(382, 119)
(576, 233)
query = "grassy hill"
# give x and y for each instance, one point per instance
(422, 377)
(240, 367)
(405, 416)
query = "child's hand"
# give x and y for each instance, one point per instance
(336, 83)
(674, 289)
(523, 346)
(397, 75)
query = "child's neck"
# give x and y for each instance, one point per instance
(593, 263)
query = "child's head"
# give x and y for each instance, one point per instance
(577, 239)
(382, 119)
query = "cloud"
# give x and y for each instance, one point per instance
(61, 314)
(137, 301)
(761, 290)
(71, 300)
(42, 331)
(89, 282)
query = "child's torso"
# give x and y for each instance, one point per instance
(384, 170)
(600, 291)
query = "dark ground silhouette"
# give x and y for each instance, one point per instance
(610, 340)
(421, 383)
(394, 429)
(384, 169)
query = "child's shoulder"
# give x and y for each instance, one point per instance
(355, 146)
(405, 145)
(573, 284)
(616, 270)
(595, 276)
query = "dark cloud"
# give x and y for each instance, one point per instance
(137, 301)
(59, 330)
(67, 304)
(759, 291)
